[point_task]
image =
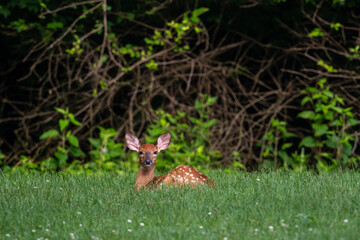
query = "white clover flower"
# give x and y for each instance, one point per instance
(34, 230)
(129, 221)
(129, 230)
(271, 228)
(142, 224)
(201, 227)
(79, 213)
(209, 213)
(346, 220)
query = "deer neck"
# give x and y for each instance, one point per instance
(144, 176)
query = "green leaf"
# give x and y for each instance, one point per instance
(68, 133)
(337, 109)
(285, 157)
(117, 152)
(329, 115)
(62, 157)
(163, 122)
(105, 58)
(305, 100)
(73, 120)
(286, 146)
(55, 25)
(308, 142)
(320, 129)
(73, 140)
(237, 164)
(199, 11)
(353, 121)
(130, 16)
(76, 152)
(60, 110)
(288, 135)
(306, 115)
(209, 123)
(4, 11)
(198, 105)
(195, 19)
(43, 5)
(328, 93)
(95, 142)
(336, 123)
(211, 100)
(52, 133)
(194, 120)
(332, 142)
(316, 32)
(346, 149)
(63, 123)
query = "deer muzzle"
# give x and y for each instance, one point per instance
(148, 160)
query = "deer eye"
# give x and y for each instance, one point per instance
(141, 153)
(155, 152)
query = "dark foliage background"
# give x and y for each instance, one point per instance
(255, 56)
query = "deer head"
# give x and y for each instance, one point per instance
(148, 152)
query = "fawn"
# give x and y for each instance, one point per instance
(180, 176)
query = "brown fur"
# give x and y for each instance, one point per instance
(180, 176)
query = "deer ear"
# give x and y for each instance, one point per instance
(132, 142)
(163, 141)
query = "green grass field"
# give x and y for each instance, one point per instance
(243, 206)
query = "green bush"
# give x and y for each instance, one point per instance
(330, 142)
(190, 136)
(190, 144)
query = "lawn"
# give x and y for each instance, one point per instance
(243, 206)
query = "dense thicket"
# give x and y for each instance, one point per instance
(112, 63)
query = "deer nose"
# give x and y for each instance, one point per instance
(148, 161)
